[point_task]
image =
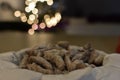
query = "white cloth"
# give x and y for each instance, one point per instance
(74, 75)
(109, 71)
(7, 56)
(19, 74)
(7, 65)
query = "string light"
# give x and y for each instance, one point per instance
(17, 13)
(53, 21)
(27, 2)
(33, 12)
(58, 16)
(50, 2)
(42, 25)
(32, 17)
(29, 22)
(32, 5)
(23, 18)
(34, 26)
(27, 9)
(31, 31)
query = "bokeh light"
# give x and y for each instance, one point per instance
(31, 31)
(35, 26)
(32, 15)
(42, 25)
(17, 13)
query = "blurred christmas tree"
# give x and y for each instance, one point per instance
(40, 14)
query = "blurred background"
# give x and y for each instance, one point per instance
(83, 21)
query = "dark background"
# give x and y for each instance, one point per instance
(93, 10)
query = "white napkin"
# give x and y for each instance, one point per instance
(19, 74)
(7, 56)
(74, 75)
(7, 65)
(109, 71)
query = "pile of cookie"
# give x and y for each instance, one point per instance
(60, 58)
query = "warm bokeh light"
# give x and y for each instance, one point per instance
(53, 21)
(58, 16)
(32, 17)
(35, 11)
(17, 13)
(42, 25)
(23, 18)
(32, 5)
(35, 26)
(29, 21)
(31, 31)
(46, 16)
(27, 9)
(48, 23)
(27, 2)
(50, 2)
(47, 20)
